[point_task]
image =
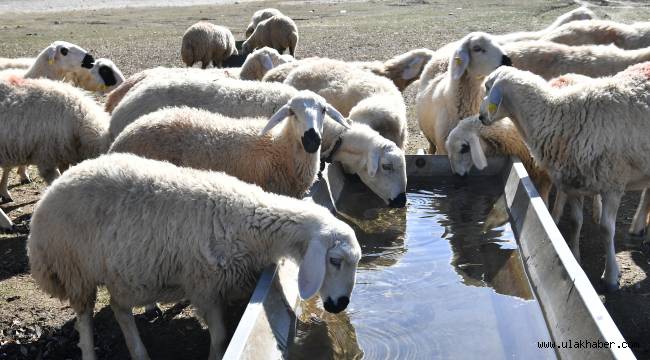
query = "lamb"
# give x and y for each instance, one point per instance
(103, 77)
(171, 225)
(603, 32)
(256, 65)
(402, 69)
(443, 101)
(244, 148)
(344, 86)
(260, 15)
(236, 98)
(16, 63)
(549, 60)
(603, 157)
(52, 124)
(470, 141)
(206, 42)
(278, 32)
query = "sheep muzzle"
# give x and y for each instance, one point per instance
(311, 141)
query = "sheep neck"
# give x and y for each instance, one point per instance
(466, 95)
(41, 69)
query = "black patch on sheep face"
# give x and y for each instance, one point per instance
(506, 61)
(340, 305)
(311, 141)
(108, 76)
(88, 61)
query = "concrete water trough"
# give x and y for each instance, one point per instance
(571, 308)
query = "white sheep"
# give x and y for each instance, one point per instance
(548, 59)
(345, 87)
(278, 32)
(603, 32)
(16, 63)
(207, 43)
(236, 98)
(48, 124)
(470, 142)
(284, 160)
(168, 225)
(103, 77)
(260, 15)
(444, 100)
(575, 15)
(606, 121)
(254, 67)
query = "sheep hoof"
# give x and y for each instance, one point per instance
(153, 313)
(609, 288)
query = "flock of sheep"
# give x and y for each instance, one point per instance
(146, 214)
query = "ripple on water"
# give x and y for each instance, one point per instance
(431, 284)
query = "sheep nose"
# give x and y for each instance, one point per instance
(481, 118)
(505, 60)
(107, 76)
(398, 202)
(340, 305)
(87, 61)
(311, 141)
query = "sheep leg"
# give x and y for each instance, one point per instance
(214, 317)
(4, 185)
(639, 222)
(84, 326)
(49, 174)
(611, 202)
(558, 206)
(576, 218)
(432, 148)
(597, 208)
(124, 317)
(24, 176)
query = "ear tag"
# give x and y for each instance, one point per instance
(458, 60)
(50, 61)
(492, 107)
(102, 87)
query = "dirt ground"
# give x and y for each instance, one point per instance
(34, 326)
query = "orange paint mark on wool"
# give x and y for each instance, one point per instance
(562, 81)
(642, 69)
(15, 80)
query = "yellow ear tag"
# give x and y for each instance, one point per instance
(50, 61)
(458, 60)
(492, 107)
(102, 87)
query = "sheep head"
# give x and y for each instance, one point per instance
(329, 265)
(306, 112)
(67, 57)
(478, 54)
(492, 108)
(464, 147)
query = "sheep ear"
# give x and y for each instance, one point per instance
(280, 115)
(413, 69)
(373, 162)
(336, 115)
(51, 55)
(267, 63)
(494, 100)
(312, 269)
(460, 61)
(476, 151)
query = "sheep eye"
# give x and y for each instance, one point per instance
(324, 110)
(464, 149)
(387, 167)
(64, 51)
(477, 48)
(336, 262)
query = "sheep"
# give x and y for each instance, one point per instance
(236, 98)
(260, 15)
(549, 60)
(49, 124)
(641, 218)
(244, 148)
(604, 156)
(344, 86)
(256, 65)
(278, 32)
(456, 94)
(206, 42)
(171, 225)
(402, 69)
(103, 77)
(16, 63)
(603, 32)
(575, 15)
(470, 141)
